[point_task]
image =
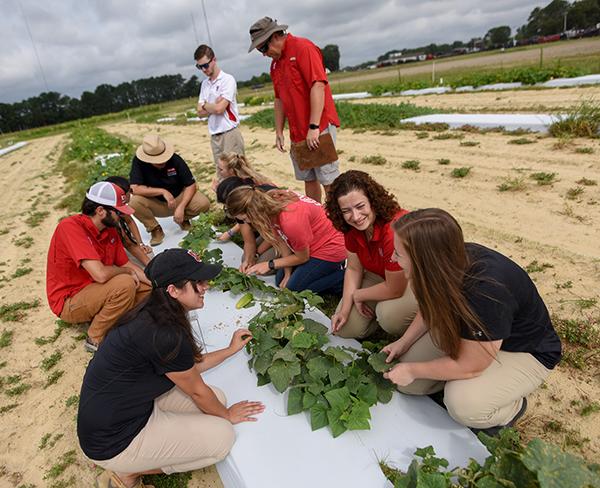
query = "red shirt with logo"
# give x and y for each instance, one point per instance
(303, 224)
(77, 238)
(293, 75)
(375, 255)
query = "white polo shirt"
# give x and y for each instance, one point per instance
(224, 86)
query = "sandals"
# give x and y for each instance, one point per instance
(108, 479)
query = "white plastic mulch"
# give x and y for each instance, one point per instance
(278, 450)
(12, 147)
(532, 122)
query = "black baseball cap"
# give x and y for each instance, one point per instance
(229, 184)
(173, 265)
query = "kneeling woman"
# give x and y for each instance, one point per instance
(312, 251)
(144, 408)
(375, 288)
(482, 334)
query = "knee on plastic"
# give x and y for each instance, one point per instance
(468, 406)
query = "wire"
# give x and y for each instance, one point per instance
(34, 48)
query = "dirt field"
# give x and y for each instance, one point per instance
(548, 224)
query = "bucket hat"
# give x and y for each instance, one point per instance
(262, 29)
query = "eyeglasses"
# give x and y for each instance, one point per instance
(205, 65)
(263, 48)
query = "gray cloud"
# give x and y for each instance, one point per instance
(84, 43)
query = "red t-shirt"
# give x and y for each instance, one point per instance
(375, 255)
(304, 224)
(293, 75)
(76, 238)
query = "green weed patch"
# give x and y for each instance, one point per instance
(15, 312)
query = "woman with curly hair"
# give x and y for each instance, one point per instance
(375, 289)
(483, 334)
(312, 251)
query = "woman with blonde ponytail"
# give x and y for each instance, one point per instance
(312, 251)
(483, 334)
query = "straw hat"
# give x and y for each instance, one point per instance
(154, 150)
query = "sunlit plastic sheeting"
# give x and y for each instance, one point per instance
(532, 122)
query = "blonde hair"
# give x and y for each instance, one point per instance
(260, 207)
(239, 166)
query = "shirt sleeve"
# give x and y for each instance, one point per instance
(184, 172)
(310, 63)
(295, 224)
(228, 89)
(350, 241)
(76, 243)
(136, 175)
(494, 306)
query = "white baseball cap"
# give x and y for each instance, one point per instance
(109, 194)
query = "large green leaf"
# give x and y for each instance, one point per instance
(556, 469)
(359, 416)
(281, 374)
(262, 379)
(368, 393)
(336, 374)
(288, 310)
(286, 353)
(302, 340)
(377, 362)
(264, 341)
(339, 399)
(319, 367)
(508, 467)
(263, 362)
(336, 425)
(318, 416)
(314, 327)
(294, 404)
(339, 354)
(308, 400)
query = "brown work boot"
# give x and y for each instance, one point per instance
(186, 225)
(157, 236)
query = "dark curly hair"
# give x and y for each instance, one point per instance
(383, 203)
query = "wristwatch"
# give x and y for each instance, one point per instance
(313, 126)
(271, 265)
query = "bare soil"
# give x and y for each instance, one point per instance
(536, 223)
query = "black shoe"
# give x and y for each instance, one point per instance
(90, 346)
(495, 431)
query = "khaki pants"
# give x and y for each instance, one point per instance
(103, 304)
(488, 400)
(394, 316)
(148, 208)
(230, 141)
(177, 438)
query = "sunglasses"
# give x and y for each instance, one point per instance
(263, 48)
(204, 66)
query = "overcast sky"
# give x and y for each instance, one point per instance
(84, 43)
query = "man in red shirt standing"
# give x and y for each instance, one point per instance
(302, 96)
(89, 277)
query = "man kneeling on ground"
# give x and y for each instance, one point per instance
(163, 186)
(89, 277)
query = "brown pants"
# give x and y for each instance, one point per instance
(148, 208)
(394, 316)
(230, 141)
(177, 438)
(490, 399)
(103, 303)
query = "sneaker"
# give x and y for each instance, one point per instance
(90, 346)
(186, 226)
(495, 431)
(157, 236)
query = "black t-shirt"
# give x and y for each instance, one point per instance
(122, 381)
(508, 304)
(174, 177)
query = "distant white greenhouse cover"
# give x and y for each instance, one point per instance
(348, 96)
(500, 86)
(166, 119)
(12, 148)
(102, 158)
(532, 122)
(580, 80)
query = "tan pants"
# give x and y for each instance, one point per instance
(177, 438)
(103, 304)
(230, 141)
(148, 208)
(488, 400)
(394, 316)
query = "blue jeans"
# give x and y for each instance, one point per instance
(317, 276)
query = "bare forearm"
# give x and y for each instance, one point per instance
(317, 101)
(147, 191)
(207, 402)
(289, 261)
(212, 359)
(279, 116)
(188, 194)
(444, 369)
(378, 293)
(352, 280)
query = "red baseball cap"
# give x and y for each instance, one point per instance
(109, 194)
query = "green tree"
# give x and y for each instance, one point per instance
(331, 57)
(583, 14)
(545, 21)
(498, 36)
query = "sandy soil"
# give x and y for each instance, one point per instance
(538, 223)
(510, 58)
